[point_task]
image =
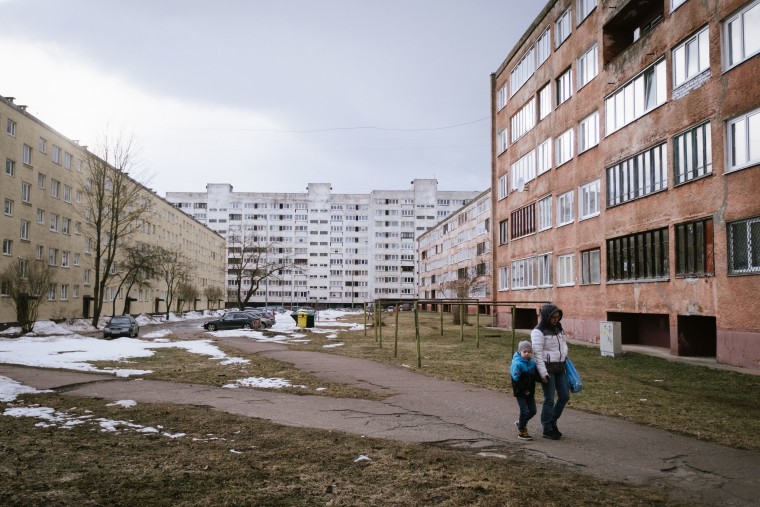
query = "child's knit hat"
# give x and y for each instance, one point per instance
(524, 345)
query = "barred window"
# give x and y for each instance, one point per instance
(694, 248)
(638, 176)
(744, 246)
(692, 154)
(523, 221)
(639, 256)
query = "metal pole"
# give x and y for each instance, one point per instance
(461, 321)
(417, 333)
(477, 327)
(513, 329)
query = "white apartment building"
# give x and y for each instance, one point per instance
(455, 255)
(341, 249)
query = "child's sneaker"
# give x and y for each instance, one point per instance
(522, 434)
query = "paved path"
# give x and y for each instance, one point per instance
(423, 409)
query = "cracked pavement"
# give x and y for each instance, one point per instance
(424, 409)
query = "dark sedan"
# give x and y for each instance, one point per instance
(233, 320)
(121, 325)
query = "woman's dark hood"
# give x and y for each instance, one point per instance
(544, 323)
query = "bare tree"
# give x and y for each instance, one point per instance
(26, 284)
(174, 270)
(252, 259)
(114, 207)
(469, 281)
(136, 268)
(214, 294)
(186, 294)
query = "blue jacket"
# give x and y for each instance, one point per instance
(523, 373)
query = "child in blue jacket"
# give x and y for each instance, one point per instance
(524, 373)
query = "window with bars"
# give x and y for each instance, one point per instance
(694, 248)
(523, 221)
(692, 154)
(639, 256)
(639, 176)
(744, 246)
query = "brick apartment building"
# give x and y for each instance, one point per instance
(626, 173)
(44, 221)
(336, 249)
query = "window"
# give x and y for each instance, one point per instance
(588, 195)
(64, 292)
(641, 95)
(66, 225)
(543, 47)
(55, 188)
(590, 267)
(565, 271)
(588, 67)
(588, 132)
(639, 256)
(56, 155)
(742, 34)
(66, 193)
(77, 259)
(565, 208)
(40, 216)
(41, 180)
(501, 97)
(522, 71)
(564, 147)
(10, 167)
(691, 58)
(24, 230)
(544, 101)
(38, 252)
(545, 213)
(65, 259)
(10, 128)
(503, 278)
(544, 156)
(26, 192)
(638, 176)
(67, 158)
(52, 256)
(523, 171)
(523, 221)
(744, 246)
(532, 272)
(565, 86)
(584, 9)
(8, 207)
(503, 232)
(692, 154)
(524, 120)
(7, 247)
(744, 140)
(27, 154)
(51, 292)
(501, 141)
(563, 27)
(53, 222)
(42, 145)
(502, 187)
(675, 4)
(694, 248)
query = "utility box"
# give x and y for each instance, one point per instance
(305, 319)
(610, 341)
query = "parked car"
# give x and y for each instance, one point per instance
(121, 325)
(265, 321)
(233, 320)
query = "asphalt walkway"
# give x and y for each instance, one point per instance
(419, 408)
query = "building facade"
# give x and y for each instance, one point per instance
(335, 249)
(626, 153)
(45, 220)
(455, 256)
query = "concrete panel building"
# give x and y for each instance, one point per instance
(44, 220)
(455, 256)
(337, 249)
(626, 172)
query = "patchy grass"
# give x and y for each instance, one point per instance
(179, 365)
(706, 403)
(224, 459)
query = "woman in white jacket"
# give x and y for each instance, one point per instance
(550, 353)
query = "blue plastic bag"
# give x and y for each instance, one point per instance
(573, 379)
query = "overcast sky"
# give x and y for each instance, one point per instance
(270, 95)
